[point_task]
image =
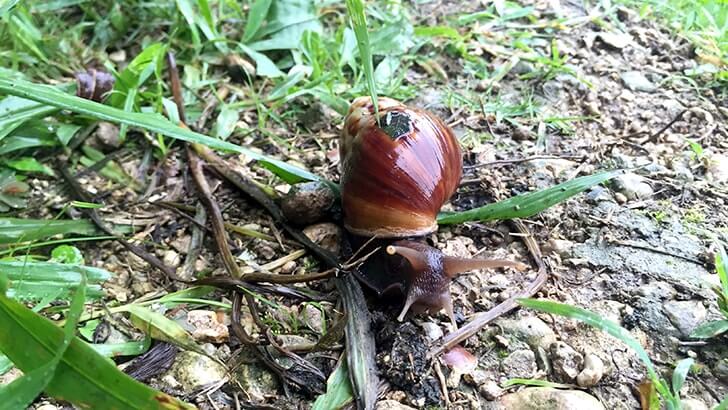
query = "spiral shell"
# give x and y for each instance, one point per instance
(396, 175)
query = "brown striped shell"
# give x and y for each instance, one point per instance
(396, 177)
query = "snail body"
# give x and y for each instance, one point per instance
(396, 175)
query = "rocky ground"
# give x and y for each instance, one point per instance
(638, 251)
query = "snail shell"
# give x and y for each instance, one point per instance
(396, 175)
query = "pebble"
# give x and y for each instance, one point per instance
(490, 390)
(392, 405)
(592, 372)
(313, 318)
(307, 202)
(636, 81)
(192, 371)
(717, 168)
(520, 363)
(616, 39)
(432, 330)
(566, 361)
(208, 326)
(685, 315)
(46, 406)
(257, 382)
(326, 235)
(534, 398)
(530, 329)
(692, 404)
(632, 186)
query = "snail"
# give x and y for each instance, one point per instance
(396, 173)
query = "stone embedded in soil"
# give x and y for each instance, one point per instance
(633, 186)
(717, 168)
(530, 330)
(307, 202)
(257, 382)
(692, 404)
(592, 372)
(566, 362)
(636, 81)
(392, 405)
(326, 235)
(541, 398)
(519, 364)
(193, 371)
(490, 390)
(685, 315)
(208, 326)
(616, 39)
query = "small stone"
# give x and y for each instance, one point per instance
(288, 267)
(313, 318)
(171, 258)
(46, 406)
(207, 326)
(555, 166)
(519, 364)
(685, 315)
(432, 330)
(118, 56)
(632, 186)
(592, 372)
(326, 235)
(693, 404)
(616, 39)
(534, 398)
(717, 168)
(307, 202)
(566, 361)
(521, 133)
(108, 135)
(392, 405)
(636, 81)
(620, 198)
(257, 382)
(531, 330)
(193, 371)
(490, 390)
(499, 280)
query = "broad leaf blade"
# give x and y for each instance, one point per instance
(525, 205)
(162, 328)
(37, 280)
(256, 16)
(680, 374)
(82, 377)
(710, 329)
(14, 230)
(338, 389)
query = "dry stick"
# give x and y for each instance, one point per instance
(80, 194)
(482, 319)
(195, 247)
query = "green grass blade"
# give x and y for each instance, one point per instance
(152, 122)
(536, 382)
(721, 265)
(605, 325)
(525, 205)
(680, 374)
(355, 9)
(13, 230)
(338, 389)
(256, 16)
(83, 377)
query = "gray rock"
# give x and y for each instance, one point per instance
(257, 382)
(720, 370)
(307, 202)
(542, 398)
(633, 186)
(685, 315)
(693, 404)
(520, 363)
(717, 168)
(592, 372)
(598, 194)
(636, 81)
(530, 330)
(616, 39)
(566, 361)
(192, 371)
(326, 235)
(490, 390)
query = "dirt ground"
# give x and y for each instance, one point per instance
(638, 250)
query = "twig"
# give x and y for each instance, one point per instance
(195, 247)
(78, 192)
(482, 319)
